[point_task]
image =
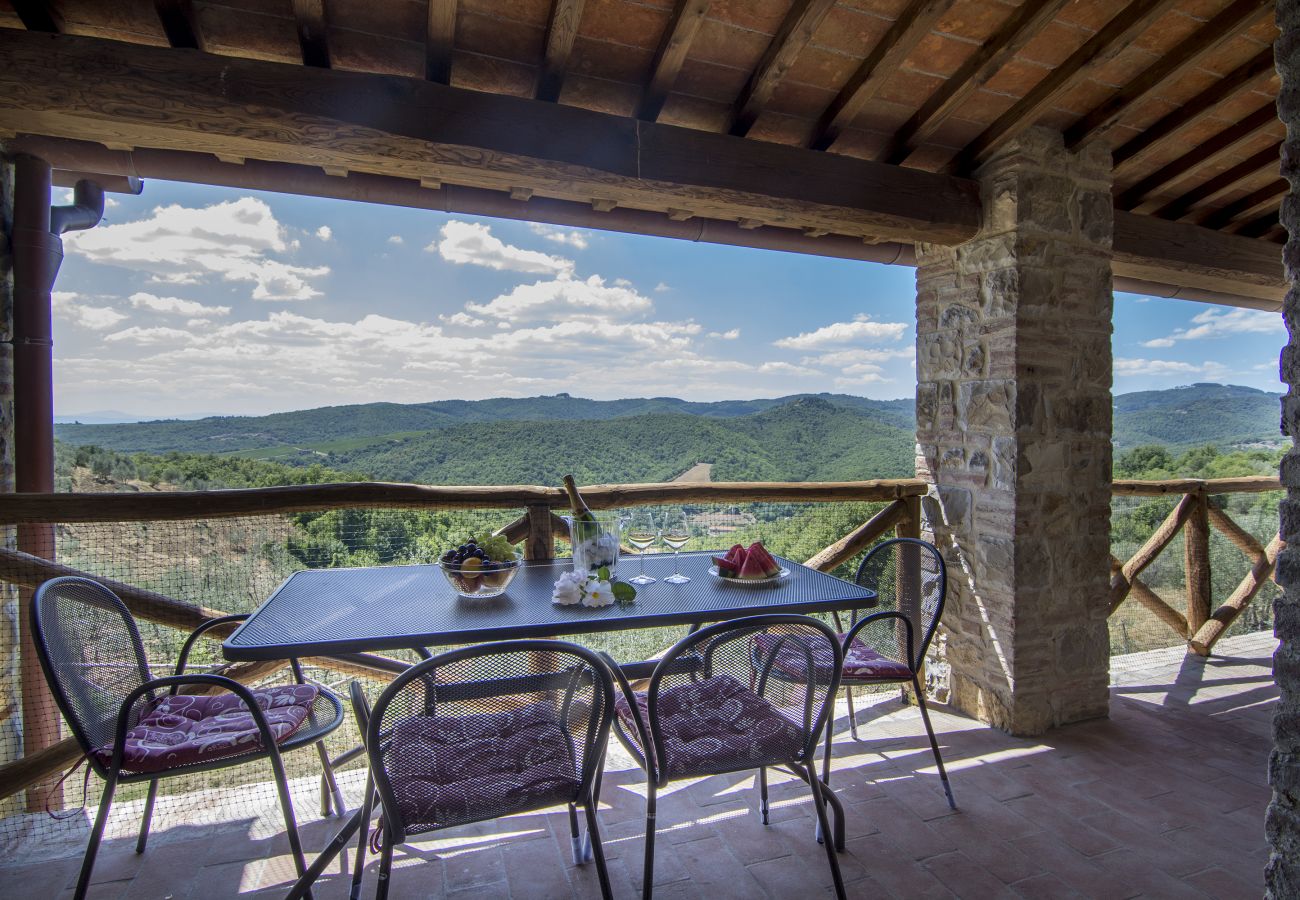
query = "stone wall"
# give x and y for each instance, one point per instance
(1282, 877)
(11, 741)
(1013, 430)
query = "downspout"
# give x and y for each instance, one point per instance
(37, 249)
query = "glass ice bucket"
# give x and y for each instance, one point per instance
(595, 544)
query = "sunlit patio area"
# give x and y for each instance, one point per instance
(1164, 799)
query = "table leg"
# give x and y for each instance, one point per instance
(303, 884)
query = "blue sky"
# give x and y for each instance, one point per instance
(191, 300)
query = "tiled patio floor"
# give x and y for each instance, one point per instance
(1164, 799)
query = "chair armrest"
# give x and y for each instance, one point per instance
(175, 681)
(644, 739)
(877, 617)
(207, 626)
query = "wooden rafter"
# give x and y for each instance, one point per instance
(682, 27)
(1262, 225)
(1213, 34)
(794, 34)
(177, 19)
(439, 40)
(1245, 209)
(913, 24)
(1197, 107)
(1107, 43)
(309, 20)
(38, 15)
(1224, 181)
(1202, 154)
(560, 32)
(983, 64)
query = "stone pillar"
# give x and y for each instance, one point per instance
(1013, 410)
(1282, 876)
(11, 739)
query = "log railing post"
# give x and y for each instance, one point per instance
(1196, 560)
(540, 542)
(909, 576)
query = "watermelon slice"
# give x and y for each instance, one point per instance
(729, 566)
(724, 566)
(770, 567)
(752, 569)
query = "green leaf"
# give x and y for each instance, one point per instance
(624, 593)
(602, 574)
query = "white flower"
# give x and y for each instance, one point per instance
(569, 588)
(599, 593)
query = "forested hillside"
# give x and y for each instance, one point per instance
(1195, 415)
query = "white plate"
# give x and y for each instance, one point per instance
(713, 570)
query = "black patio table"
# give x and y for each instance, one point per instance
(318, 612)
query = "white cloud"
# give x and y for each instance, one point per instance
(728, 335)
(472, 243)
(233, 240)
(66, 306)
(177, 306)
(1158, 343)
(159, 335)
(463, 319)
(564, 297)
(861, 328)
(662, 287)
(396, 239)
(576, 239)
(859, 356)
(325, 233)
(1217, 323)
(1155, 367)
(785, 368)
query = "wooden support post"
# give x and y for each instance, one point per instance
(1196, 556)
(540, 543)
(1203, 639)
(909, 526)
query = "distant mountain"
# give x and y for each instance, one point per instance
(1179, 418)
(312, 428)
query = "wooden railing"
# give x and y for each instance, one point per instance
(537, 528)
(1193, 515)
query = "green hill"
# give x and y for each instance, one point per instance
(1195, 415)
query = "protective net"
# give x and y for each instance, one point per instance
(177, 574)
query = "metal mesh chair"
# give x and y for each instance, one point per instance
(712, 707)
(94, 660)
(889, 645)
(490, 731)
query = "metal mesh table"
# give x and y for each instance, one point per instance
(323, 611)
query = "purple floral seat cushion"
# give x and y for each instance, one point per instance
(715, 725)
(861, 663)
(446, 770)
(186, 729)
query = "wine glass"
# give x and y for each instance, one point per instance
(675, 533)
(641, 534)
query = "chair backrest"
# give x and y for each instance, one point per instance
(723, 699)
(91, 651)
(909, 576)
(489, 731)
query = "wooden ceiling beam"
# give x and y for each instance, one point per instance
(1196, 108)
(794, 34)
(670, 55)
(439, 40)
(178, 22)
(309, 20)
(913, 24)
(1210, 36)
(1261, 226)
(561, 30)
(1018, 30)
(411, 128)
(1132, 198)
(1106, 44)
(1268, 158)
(38, 15)
(1246, 207)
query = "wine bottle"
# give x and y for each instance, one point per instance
(576, 504)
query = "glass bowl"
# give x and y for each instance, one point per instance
(481, 582)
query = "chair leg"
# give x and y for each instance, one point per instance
(148, 815)
(648, 870)
(96, 834)
(575, 836)
(853, 716)
(290, 822)
(934, 744)
(327, 779)
(385, 867)
(597, 848)
(358, 869)
(819, 806)
(763, 806)
(826, 755)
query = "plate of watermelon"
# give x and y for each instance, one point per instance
(748, 565)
